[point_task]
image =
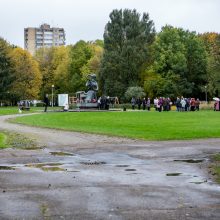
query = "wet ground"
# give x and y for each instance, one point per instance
(80, 176)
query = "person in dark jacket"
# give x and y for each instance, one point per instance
(144, 102)
(139, 102)
(46, 102)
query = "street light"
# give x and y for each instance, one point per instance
(206, 94)
(52, 95)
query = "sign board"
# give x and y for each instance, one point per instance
(63, 99)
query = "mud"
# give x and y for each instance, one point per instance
(92, 182)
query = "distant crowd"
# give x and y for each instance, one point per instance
(164, 104)
(104, 102)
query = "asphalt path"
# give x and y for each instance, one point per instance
(84, 176)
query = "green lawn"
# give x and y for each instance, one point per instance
(8, 110)
(2, 140)
(140, 125)
(14, 110)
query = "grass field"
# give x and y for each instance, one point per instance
(140, 125)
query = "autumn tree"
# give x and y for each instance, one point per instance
(127, 38)
(27, 82)
(212, 44)
(61, 64)
(44, 56)
(85, 58)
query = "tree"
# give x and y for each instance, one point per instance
(6, 71)
(27, 82)
(212, 44)
(179, 58)
(127, 38)
(60, 63)
(44, 56)
(85, 59)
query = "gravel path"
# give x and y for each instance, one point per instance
(84, 176)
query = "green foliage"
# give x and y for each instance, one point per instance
(181, 60)
(6, 72)
(85, 59)
(136, 92)
(127, 39)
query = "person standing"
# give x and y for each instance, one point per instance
(183, 104)
(46, 102)
(192, 104)
(133, 102)
(148, 104)
(155, 103)
(144, 102)
(139, 103)
(197, 104)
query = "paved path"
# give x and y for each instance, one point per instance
(106, 178)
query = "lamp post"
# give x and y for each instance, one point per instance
(206, 95)
(52, 94)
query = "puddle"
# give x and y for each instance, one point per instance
(73, 171)
(198, 182)
(173, 174)
(61, 154)
(40, 165)
(46, 166)
(190, 161)
(122, 165)
(130, 169)
(93, 163)
(52, 169)
(6, 168)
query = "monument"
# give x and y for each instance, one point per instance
(88, 99)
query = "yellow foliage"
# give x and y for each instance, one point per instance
(28, 78)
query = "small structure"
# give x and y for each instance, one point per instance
(88, 99)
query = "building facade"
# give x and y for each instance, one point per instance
(44, 36)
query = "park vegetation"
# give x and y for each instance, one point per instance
(132, 56)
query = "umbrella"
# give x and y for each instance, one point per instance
(216, 99)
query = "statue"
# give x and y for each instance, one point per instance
(88, 99)
(91, 84)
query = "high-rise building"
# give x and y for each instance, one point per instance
(44, 36)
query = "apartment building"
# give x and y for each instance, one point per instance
(44, 36)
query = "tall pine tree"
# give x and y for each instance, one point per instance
(127, 38)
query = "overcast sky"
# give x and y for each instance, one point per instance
(86, 19)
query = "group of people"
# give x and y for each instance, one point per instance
(164, 104)
(145, 103)
(104, 102)
(187, 104)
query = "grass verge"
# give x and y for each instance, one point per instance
(215, 167)
(137, 124)
(15, 140)
(2, 141)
